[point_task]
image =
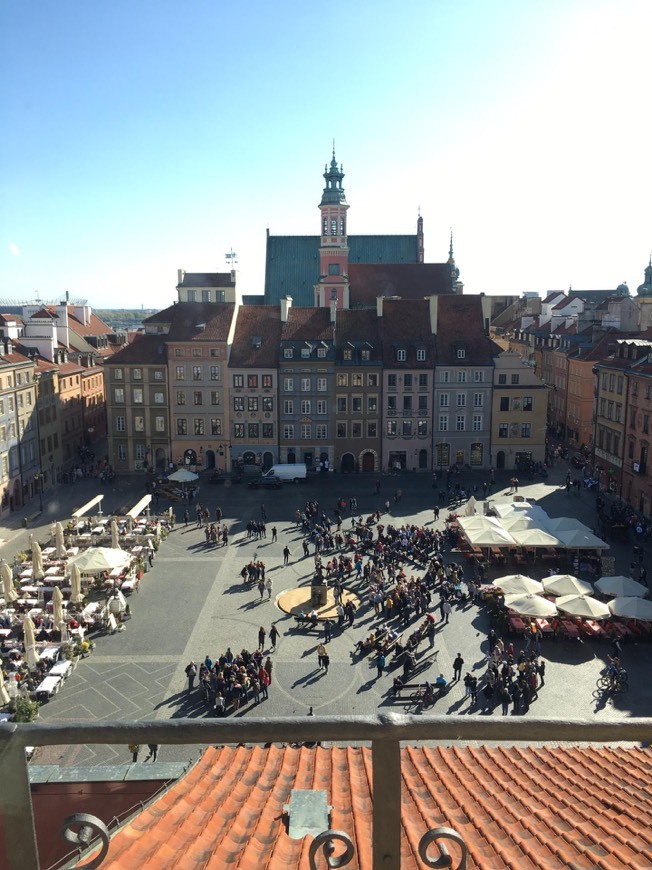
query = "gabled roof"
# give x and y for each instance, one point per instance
(143, 350)
(257, 337)
(554, 294)
(308, 324)
(406, 326)
(195, 321)
(358, 325)
(460, 323)
(550, 807)
(408, 280)
(207, 279)
(564, 303)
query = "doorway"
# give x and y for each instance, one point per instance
(500, 459)
(368, 461)
(423, 459)
(347, 464)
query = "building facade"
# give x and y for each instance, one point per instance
(519, 413)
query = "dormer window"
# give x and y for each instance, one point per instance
(288, 353)
(348, 353)
(421, 354)
(365, 354)
(257, 341)
(305, 353)
(461, 353)
(400, 355)
(321, 352)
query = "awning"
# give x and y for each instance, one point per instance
(140, 507)
(87, 507)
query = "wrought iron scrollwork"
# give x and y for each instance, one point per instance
(325, 841)
(81, 829)
(438, 836)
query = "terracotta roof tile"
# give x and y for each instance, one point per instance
(228, 810)
(308, 324)
(256, 322)
(460, 322)
(367, 281)
(185, 321)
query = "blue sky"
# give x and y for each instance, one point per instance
(142, 137)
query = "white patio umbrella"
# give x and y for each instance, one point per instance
(94, 560)
(583, 606)
(75, 584)
(631, 607)
(182, 475)
(621, 587)
(29, 641)
(566, 584)
(37, 561)
(518, 584)
(530, 605)
(469, 508)
(8, 591)
(579, 539)
(4, 694)
(115, 535)
(534, 538)
(57, 609)
(59, 544)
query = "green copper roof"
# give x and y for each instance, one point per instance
(292, 262)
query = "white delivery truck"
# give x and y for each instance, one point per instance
(294, 471)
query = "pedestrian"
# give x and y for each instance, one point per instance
(387, 506)
(492, 638)
(446, 610)
(542, 672)
(191, 673)
(274, 534)
(268, 586)
(273, 636)
(505, 698)
(286, 554)
(134, 748)
(326, 660)
(186, 517)
(310, 713)
(153, 751)
(261, 587)
(431, 633)
(261, 637)
(306, 550)
(328, 629)
(458, 664)
(380, 664)
(474, 690)
(321, 652)
(435, 511)
(268, 670)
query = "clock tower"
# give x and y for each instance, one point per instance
(334, 250)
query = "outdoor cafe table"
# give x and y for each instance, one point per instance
(622, 630)
(53, 570)
(61, 669)
(517, 624)
(5, 633)
(592, 628)
(543, 625)
(50, 652)
(570, 629)
(27, 572)
(48, 687)
(31, 590)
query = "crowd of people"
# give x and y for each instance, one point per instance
(231, 681)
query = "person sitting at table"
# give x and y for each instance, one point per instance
(72, 623)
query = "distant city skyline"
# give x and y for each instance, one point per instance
(145, 138)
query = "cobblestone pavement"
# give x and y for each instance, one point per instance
(193, 603)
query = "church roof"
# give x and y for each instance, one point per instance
(292, 262)
(548, 807)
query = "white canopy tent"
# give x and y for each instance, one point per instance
(631, 607)
(88, 506)
(182, 475)
(94, 560)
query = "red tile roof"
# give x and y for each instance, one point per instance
(308, 324)
(551, 807)
(195, 321)
(408, 280)
(460, 322)
(257, 337)
(144, 350)
(405, 325)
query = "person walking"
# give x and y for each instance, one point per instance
(431, 630)
(134, 748)
(380, 664)
(458, 664)
(328, 629)
(153, 752)
(191, 673)
(321, 652)
(446, 610)
(435, 511)
(286, 554)
(306, 549)
(274, 534)
(505, 699)
(261, 587)
(542, 672)
(268, 585)
(268, 670)
(326, 660)
(261, 637)
(273, 636)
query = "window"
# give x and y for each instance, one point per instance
(407, 382)
(478, 400)
(372, 404)
(407, 403)
(604, 382)
(400, 355)
(238, 430)
(253, 430)
(196, 373)
(356, 430)
(288, 431)
(372, 380)
(461, 377)
(372, 430)
(197, 397)
(421, 354)
(268, 430)
(137, 374)
(199, 425)
(268, 403)
(180, 373)
(478, 377)
(215, 397)
(120, 424)
(306, 407)
(305, 385)
(341, 430)
(527, 403)
(503, 430)
(391, 382)
(268, 382)
(119, 396)
(122, 454)
(619, 412)
(215, 373)
(342, 380)
(445, 377)
(288, 385)
(333, 268)
(391, 403)
(321, 385)
(321, 352)
(460, 422)
(238, 381)
(238, 403)
(288, 406)
(632, 414)
(252, 403)
(504, 403)
(138, 396)
(365, 354)
(178, 351)
(648, 391)
(646, 423)
(502, 379)
(612, 383)
(139, 424)
(443, 422)
(423, 380)
(356, 380)
(619, 388)
(216, 426)
(348, 354)
(610, 410)
(159, 424)
(461, 353)
(526, 430)
(288, 353)
(322, 406)
(515, 379)
(306, 431)
(443, 400)
(391, 427)
(423, 403)
(477, 422)
(117, 374)
(182, 426)
(461, 400)
(305, 353)
(321, 430)
(422, 427)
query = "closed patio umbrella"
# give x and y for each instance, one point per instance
(8, 591)
(583, 606)
(4, 694)
(37, 561)
(566, 584)
(57, 609)
(115, 535)
(518, 584)
(59, 544)
(75, 584)
(631, 607)
(29, 641)
(530, 605)
(621, 587)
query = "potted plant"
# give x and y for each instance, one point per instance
(25, 710)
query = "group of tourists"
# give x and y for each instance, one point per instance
(231, 681)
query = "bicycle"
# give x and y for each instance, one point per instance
(617, 682)
(421, 699)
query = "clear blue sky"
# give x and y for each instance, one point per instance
(142, 136)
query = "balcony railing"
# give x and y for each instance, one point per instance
(384, 731)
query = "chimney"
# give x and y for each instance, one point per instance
(379, 306)
(333, 310)
(433, 306)
(286, 304)
(233, 276)
(180, 276)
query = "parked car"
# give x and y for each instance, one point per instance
(266, 482)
